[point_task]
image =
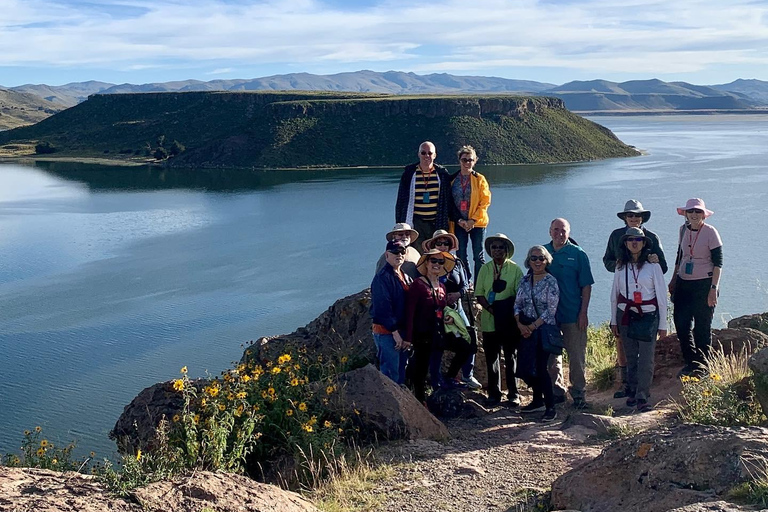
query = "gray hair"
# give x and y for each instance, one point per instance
(467, 150)
(544, 253)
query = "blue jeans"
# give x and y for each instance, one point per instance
(477, 236)
(391, 361)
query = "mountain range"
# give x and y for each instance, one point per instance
(579, 96)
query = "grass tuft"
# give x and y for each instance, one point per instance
(601, 356)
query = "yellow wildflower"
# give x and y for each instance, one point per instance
(319, 359)
(230, 396)
(227, 377)
(178, 385)
(44, 443)
(176, 418)
(239, 410)
(196, 419)
(327, 424)
(297, 366)
(357, 412)
(40, 452)
(241, 368)
(269, 364)
(330, 389)
(694, 379)
(38, 429)
(92, 454)
(203, 402)
(276, 370)
(343, 419)
(312, 420)
(685, 378)
(716, 377)
(55, 461)
(294, 382)
(271, 391)
(213, 390)
(27, 432)
(302, 407)
(289, 412)
(183, 370)
(706, 392)
(246, 377)
(138, 455)
(255, 407)
(307, 427)
(241, 395)
(285, 358)
(344, 359)
(222, 407)
(263, 394)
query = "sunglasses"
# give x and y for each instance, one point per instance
(425, 153)
(467, 160)
(538, 258)
(397, 251)
(635, 239)
(494, 247)
(435, 260)
(443, 242)
(634, 215)
(694, 210)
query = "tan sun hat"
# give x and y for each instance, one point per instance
(403, 226)
(450, 261)
(500, 237)
(429, 243)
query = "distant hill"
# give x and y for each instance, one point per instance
(289, 129)
(755, 89)
(67, 95)
(595, 95)
(20, 109)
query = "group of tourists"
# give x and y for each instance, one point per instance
(422, 295)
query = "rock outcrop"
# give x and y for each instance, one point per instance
(384, 408)
(40, 490)
(758, 321)
(664, 469)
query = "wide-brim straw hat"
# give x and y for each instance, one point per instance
(697, 204)
(450, 261)
(429, 243)
(634, 206)
(633, 233)
(500, 237)
(403, 226)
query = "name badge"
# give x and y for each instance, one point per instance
(491, 297)
(463, 206)
(688, 267)
(638, 297)
(425, 198)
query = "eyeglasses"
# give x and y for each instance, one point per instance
(634, 215)
(635, 239)
(538, 258)
(694, 210)
(425, 153)
(467, 160)
(443, 242)
(435, 260)
(494, 247)
(397, 251)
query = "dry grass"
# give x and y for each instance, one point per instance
(17, 150)
(732, 368)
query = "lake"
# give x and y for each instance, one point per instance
(111, 279)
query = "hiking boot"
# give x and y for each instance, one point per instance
(449, 383)
(631, 402)
(623, 392)
(511, 404)
(549, 415)
(643, 405)
(472, 382)
(532, 407)
(559, 399)
(492, 401)
(686, 371)
(580, 404)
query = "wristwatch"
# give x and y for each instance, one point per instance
(714, 287)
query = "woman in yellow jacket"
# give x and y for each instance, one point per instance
(472, 197)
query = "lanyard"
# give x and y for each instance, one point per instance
(464, 186)
(690, 236)
(635, 275)
(497, 270)
(425, 176)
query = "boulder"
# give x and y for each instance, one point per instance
(385, 409)
(453, 403)
(664, 469)
(758, 363)
(602, 425)
(40, 490)
(669, 358)
(757, 321)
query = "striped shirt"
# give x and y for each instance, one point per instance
(426, 187)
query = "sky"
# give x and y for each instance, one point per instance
(137, 41)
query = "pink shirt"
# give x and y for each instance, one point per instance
(696, 247)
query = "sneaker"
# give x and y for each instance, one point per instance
(492, 401)
(511, 404)
(643, 405)
(580, 404)
(559, 399)
(631, 402)
(472, 382)
(453, 384)
(549, 415)
(532, 407)
(623, 392)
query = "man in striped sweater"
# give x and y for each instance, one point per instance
(424, 197)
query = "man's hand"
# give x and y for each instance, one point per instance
(712, 298)
(582, 321)
(452, 297)
(653, 258)
(449, 320)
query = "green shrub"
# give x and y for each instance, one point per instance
(39, 452)
(45, 148)
(177, 148)
(160, 153)
(601, 356)
(711, 401)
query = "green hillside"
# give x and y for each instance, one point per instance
(290, 129)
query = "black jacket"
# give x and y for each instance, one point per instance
(446, 209)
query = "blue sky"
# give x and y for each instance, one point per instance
(139, 41)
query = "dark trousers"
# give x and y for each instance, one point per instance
(542, 383)
(493, 344)
(462, 353)
(691, 308)
(425, 229)
(418, 365)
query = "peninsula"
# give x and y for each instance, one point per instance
(286, 129)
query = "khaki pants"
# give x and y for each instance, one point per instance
(575, 341)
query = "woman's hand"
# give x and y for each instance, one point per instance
(653, 258)
(449, 320)
(452, 297)
(615, 330)
(525, 330)
(712, 298)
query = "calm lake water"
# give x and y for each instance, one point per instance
(111, 279)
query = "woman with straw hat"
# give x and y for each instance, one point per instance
(424, 327)
(496, 288)
(638, 312)
(695, 284)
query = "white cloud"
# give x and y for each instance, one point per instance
(598, 36)
(221, 71)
